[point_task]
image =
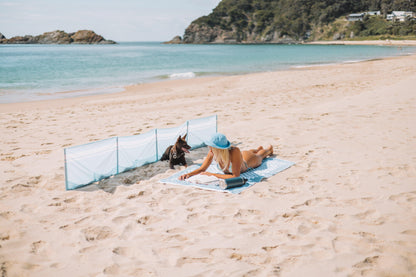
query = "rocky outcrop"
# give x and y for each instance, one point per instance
(175, 40)
(87, 37)
(58, 37)
(18, 40)
(203, 34)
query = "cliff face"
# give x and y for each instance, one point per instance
(277, 21)
(202, 34)
(58, 37)
(252, 21)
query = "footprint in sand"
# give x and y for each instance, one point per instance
(189, 260)
(367, 262)
(142, 272)
(216, 218)
(121, 219)
(7, 214)
(37, 246)
(70, 200)
(271, 250)
(123, 251)
(112, 269)
(147, 220)
(407, 199)
(176, 234)
(342, 244)
(97, 233)
(358, 243)
(371, 217)
(327, 201)
(246, 213)
(87, 249)
(303, 229)
(136, 195)
(409, 232)
(30, 267)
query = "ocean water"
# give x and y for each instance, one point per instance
(36, 72)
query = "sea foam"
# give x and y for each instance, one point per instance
(185, 75)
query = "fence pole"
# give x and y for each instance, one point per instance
(216, 123)
(157, 154)
(187, 130)
(118, 168)
(66, 170)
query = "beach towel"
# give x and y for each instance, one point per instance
(268, 168)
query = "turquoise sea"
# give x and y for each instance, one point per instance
(36, 72)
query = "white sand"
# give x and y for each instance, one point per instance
(347, 208)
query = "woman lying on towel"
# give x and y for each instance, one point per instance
(229, 158)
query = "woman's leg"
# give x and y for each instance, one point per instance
(255, 157)
(256, 150)
(264, 153)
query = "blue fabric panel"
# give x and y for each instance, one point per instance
(90, 162)
(168, 136)
(200, 129)
(135, 151)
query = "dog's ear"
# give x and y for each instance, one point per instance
(184, 137)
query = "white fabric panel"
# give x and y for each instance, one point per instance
(135, 151)
(200, 129)
(90, 162)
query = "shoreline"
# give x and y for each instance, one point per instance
(123, 89)
(347, 207)
(75, 100)
(51, 95)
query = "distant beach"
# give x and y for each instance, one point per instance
(346, 208)
(386, 42)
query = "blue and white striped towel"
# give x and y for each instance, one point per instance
(268, 168)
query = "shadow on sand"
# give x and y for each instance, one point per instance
(142, 173)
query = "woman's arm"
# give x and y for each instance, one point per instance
(202, 168)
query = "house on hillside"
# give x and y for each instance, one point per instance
(400, 16)
(372, 13)
(356, 17)
(360, 16)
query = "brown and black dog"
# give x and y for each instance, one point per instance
(176, 153)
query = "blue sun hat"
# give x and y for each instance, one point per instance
(219, 141)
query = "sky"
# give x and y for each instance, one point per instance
(119, 20)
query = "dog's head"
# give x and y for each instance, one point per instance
(181, 144)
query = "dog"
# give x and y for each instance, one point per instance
(176, 153)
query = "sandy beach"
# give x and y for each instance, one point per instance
(387, 42)
(346, 208)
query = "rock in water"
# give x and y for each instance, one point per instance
(86, 37)
(58, 37)
(175, 40)
(55, 37)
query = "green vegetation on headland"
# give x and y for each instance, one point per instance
(292, 21)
